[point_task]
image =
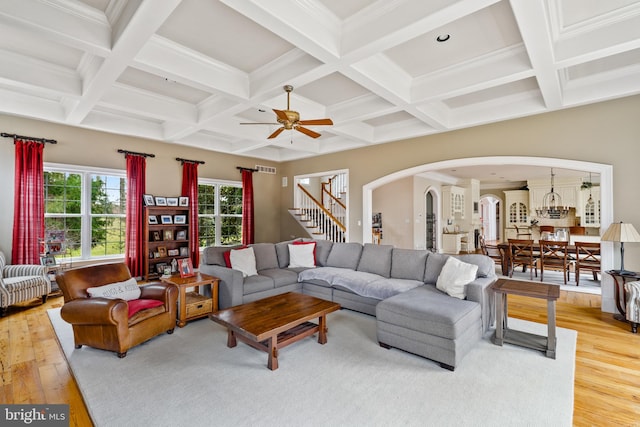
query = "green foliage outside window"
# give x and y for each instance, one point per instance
(219, 214)
(63, 211)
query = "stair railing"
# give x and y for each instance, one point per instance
(327, 224)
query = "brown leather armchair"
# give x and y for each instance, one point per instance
(105, 323)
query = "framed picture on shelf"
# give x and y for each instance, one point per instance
(161, 201)
(173, 252)
(53, 248)
(54, 235)
(48, 260)
(184, 251)
(183, 201)
(186, 267)
(180, 219)
(148, 200)
(166, 219)
(160, 267)
(156, 236)
(150, 254)
(172, 201)
(181, 235)
(162, 251)
(168, 235)
(153, 220)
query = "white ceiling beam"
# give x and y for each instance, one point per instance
(391, 23)
(137, 101)
(533, 22)
(168, 59)
(305, 24)
(146, 20)
(68, 22)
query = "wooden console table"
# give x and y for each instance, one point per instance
(504, 287)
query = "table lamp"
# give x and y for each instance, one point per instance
(621, 232)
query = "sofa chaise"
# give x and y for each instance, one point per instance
(399, 286)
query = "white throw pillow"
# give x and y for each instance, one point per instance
(244, 260)
(302, 255)
(127, 290)
(454, 276)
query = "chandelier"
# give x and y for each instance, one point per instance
(552, 204)
(590, 202)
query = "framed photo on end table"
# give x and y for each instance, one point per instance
(186, 268)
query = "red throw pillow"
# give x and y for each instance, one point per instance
(302, 242)
(136, 305)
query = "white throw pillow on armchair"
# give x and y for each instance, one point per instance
(455, 275)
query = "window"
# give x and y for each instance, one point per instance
(219, 213)
(89, 206)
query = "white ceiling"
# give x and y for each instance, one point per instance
(188, 72)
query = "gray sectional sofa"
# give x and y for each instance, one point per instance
(398, 286)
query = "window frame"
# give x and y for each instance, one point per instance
(85, 203)
(217, 216)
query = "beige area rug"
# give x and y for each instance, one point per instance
(191, 378)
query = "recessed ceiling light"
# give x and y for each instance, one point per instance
(443, 38)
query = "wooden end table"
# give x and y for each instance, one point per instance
(192, 305)
(275, 322)
(505, 287)
(619, 294)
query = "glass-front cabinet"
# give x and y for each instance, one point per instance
(589, 210)
(517, 203)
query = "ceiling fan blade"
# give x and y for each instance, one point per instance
(257, 123)
(276, 133)
(316, 122)
(281, 115)
(307, 132)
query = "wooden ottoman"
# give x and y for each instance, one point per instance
(431, 324)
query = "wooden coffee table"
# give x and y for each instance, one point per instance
(275, 322)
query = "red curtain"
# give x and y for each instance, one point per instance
(28, 203)
(190, 190)
(134, 243)
(247, 207)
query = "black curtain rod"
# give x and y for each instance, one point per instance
(14, 136)
(200, 162)
(136, 154)
(246, 169)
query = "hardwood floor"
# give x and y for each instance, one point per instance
(607, 377)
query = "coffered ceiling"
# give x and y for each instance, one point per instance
(189, 72)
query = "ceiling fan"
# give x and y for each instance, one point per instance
(290, 119)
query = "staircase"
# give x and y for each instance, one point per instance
(323, 219)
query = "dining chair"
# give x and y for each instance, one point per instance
(587, 258)
(577, 231)
(492, 251)
(522, 231)
(548, 228)
(521, 253)
(554, 256)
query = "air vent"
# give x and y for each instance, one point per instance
(266, 169)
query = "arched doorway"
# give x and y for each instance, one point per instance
(606, 198)
(490, 218)
(431, 221)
